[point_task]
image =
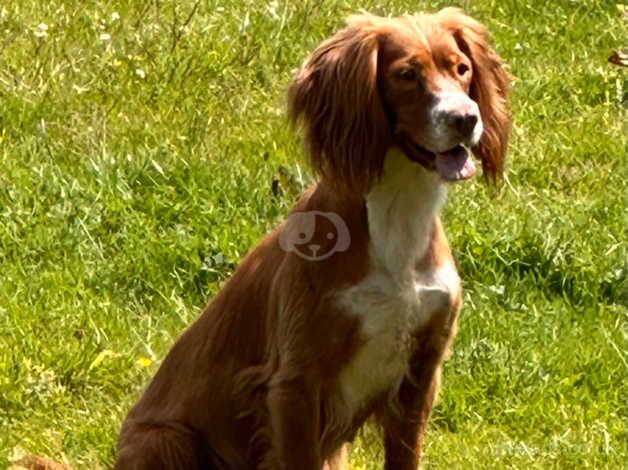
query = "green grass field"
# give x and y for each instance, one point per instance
(144, 149)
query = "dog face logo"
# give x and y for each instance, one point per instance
(314, 235)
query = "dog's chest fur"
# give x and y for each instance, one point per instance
(397, 297)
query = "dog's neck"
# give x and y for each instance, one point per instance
(401, 208)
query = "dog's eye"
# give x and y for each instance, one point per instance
(407, 74)
(462, 69)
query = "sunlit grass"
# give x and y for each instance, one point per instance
(144, 150)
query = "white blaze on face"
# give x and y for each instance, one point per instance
(442, 134)
(478, 129)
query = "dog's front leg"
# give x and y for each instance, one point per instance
(405, 418)
(404, 422)
(293, 406)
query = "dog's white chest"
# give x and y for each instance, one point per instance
(396, 298)
(390, 316)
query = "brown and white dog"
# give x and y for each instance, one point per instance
(347, 309)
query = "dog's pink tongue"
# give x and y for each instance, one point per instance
(455, 164)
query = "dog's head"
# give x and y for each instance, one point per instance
(427, 84)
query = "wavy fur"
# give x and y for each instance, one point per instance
(292, 356)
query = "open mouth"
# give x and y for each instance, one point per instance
(454, 164)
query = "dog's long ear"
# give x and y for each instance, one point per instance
(335, 95)
(489, 88)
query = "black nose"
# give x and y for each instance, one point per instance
(464, 123)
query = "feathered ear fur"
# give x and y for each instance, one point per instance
(489, 88)
(335, 95)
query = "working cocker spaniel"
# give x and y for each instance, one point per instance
(348, 308)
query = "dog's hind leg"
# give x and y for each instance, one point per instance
(154, 447)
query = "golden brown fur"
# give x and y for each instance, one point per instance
(251, 383)
(489, 88)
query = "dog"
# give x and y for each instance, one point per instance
(346, 310)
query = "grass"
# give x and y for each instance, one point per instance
(144, 150)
